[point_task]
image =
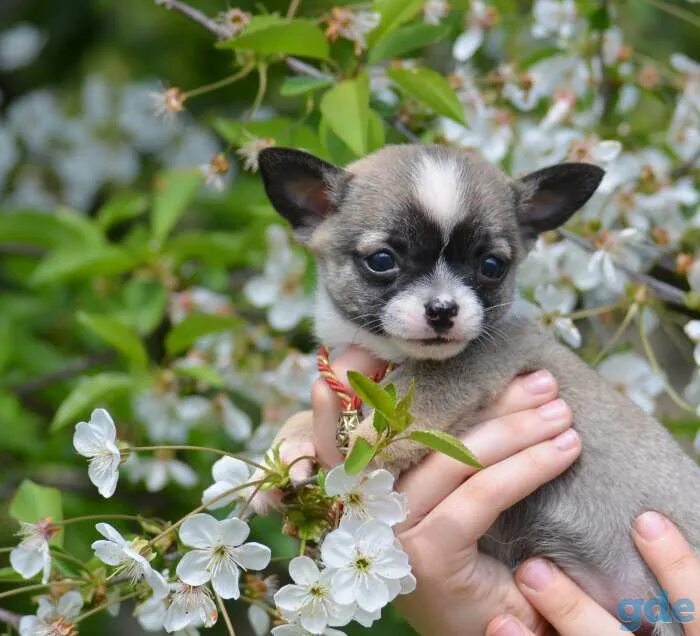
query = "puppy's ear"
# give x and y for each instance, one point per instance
(551, 195)
(302, 188)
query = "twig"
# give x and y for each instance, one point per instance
(404, 130)
(70, 370)
(302, 68)
(21, 250)
(9, 618)
(224, 613)
(293, 8)
(666, 292)
(197, 16)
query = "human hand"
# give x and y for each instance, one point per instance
(573, 613)
(524, 441)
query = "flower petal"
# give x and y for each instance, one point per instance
(338, 482)
(157, 583)
(70, 604)
(252, 556)
(108, 552)
(231, 470)
(291, 598)
(343, 586)
(200, 531)
(26, 562)
(192, 568)
(233, 531)
(225, 581)
(337, 548)
(372, 593)
(304, 570)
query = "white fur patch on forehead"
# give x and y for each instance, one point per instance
(439, 188)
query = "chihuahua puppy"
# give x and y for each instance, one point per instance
(417, 249)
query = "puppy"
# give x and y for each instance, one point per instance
(417, 249)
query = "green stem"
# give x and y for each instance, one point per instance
(7, 549)
(115, 517)
(220, 84)
(224, 613)
(592, 311)
(653, 361)
(262, 89)
(71, 559)
(631, 313)
(293, 8)
(38, 586)
(201, 508)
(105, 605)
(302, 547)
(207, 449)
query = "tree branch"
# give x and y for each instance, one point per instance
(666, 292)
(196, 15)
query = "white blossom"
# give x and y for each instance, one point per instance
(97, 440)
(19, 46)
(479, 19)
(33, 554)
(280, 288)
(129, 557)
(632, 375)
(435, 10)
(556, 302)
(554, 18)
(53, 618)
(309, 597)
(157, 472)
(366, 562)
(219, 553)
(228, 473)
(190, 606)
(366, 496)
(692, 330)
(237, 423)
(291, 629)
(169, 417)
(294, 376)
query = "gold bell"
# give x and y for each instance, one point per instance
(347, 423)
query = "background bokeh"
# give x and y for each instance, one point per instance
(84, 160)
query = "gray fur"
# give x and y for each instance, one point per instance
(629, 464)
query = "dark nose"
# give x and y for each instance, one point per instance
(439, 314)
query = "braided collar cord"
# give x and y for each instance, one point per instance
(348, 400)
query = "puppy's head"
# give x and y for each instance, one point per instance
(417, 246)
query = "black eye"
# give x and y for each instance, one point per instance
(381, 261)
(492, 267)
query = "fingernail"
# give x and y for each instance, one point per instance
(539, 382)
(651, 526)
(567, 440)
(508, 627)
(536, 574)
(554, 410)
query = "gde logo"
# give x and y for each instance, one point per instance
(632, 612)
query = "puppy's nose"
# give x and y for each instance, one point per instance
(439, 314)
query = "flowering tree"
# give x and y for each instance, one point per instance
(163, 324)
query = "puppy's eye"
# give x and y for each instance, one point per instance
(381, 262)
(492, 267)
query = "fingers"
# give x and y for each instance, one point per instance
(563, 604)
(507, 626)
(296, 441)
(466, 514)
(326, 405)
(675, 564)
(493, 441)
(524, 392)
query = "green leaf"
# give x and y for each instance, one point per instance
(447, 444)
(405, 39)
(430, 88)
(283, 37)
(143, 305)
(87, 394)
(61, 227)
(193, 327)
(20, 428)
(33, 502)
(302, 84)
(84, 262)
(372, 393)
(379, 422)
(216, 248)
(359, 456)
(200, 373)
(116, 334)
(393, 14)
(173, 192)
(346, 109)
(123, 207)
